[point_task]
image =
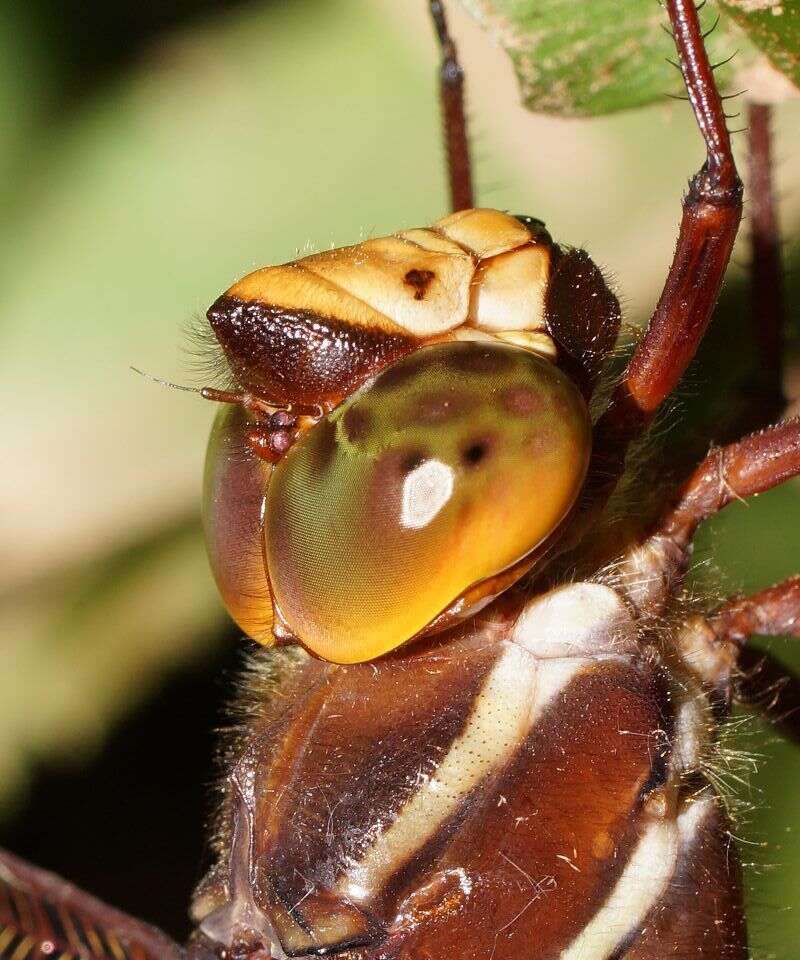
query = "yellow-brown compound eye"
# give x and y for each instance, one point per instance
(450, 467)
(233, 503)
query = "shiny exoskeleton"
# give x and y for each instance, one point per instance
(439, 366)
(480, 721)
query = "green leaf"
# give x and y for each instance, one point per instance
(774, 27)
(574, 58)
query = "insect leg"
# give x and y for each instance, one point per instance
(753, 465)
(767, 686)
(773, 612)
(712, 209)
(766, 273)
(451, 92)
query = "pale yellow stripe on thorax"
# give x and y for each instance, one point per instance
(640, 887)
(515, 694)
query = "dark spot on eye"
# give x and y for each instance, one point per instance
(521, 401)
(387, 479)
(400, 373)
(356, 424)
(475, 453)
(322, 446)
(411, 460)
(419, 280)
(474, 358)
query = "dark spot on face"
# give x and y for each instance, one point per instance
(322, 446)
(475, 358)
(419, 280)
(475, 453)
(356, 424)
(521, 401)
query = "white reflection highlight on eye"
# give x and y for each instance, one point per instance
(425, 491)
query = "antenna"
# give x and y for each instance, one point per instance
(240, 397)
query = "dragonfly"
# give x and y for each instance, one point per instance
(482, 718)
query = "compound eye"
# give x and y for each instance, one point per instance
(445, 471)
(234, 486)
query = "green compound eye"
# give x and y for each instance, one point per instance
(451, 466)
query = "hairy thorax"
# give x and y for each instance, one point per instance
(537, 780)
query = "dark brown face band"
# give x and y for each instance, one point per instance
(297, 356)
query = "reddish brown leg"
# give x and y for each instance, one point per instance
(712, 210)
(766, 268)
(451, 89)
(754, 465)
(771, 612)
(766, 686)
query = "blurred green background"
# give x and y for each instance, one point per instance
(150, 155)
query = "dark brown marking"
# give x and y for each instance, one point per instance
(403, 372)
(322, 446)
(477, 358)
(409, 461)
(297, 356)
(356, 423)
(376, 727)
(570, 779)
(419, 280)
(476, 452)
